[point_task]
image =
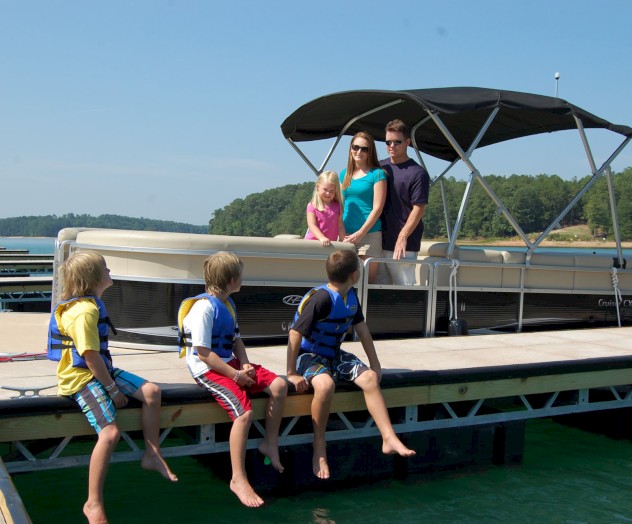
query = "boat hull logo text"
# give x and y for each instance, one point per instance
(292, 300)
(603, 302)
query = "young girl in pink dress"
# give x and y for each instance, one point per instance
(324, 212)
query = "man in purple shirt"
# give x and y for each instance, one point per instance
(408, 186)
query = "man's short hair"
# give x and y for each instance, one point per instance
(220, 269)
(341, 265)
(397, 126)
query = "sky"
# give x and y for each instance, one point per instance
(171, 109)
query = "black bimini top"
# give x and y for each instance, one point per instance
(463, 110)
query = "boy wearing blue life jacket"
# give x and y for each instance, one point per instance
(78, 340)
(315, 359)
(216, 357)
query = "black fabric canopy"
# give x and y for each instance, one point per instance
(463, 110)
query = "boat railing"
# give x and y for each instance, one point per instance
(541, 273)
(424, 278)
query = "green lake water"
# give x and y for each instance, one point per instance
(568, 476)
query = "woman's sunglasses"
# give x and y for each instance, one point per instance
(356, 147)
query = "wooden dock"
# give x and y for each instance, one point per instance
(25, 333)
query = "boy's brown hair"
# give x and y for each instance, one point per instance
(341, 265)
(81, 273)
(397, 126)
(220, 269)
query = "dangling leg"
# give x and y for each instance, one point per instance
(369, 383)
(239, 484)
(324, 388)
(149, 395)
(274, 413)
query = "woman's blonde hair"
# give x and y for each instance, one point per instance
(327, 177)
(81, 274)
(220, 269)
(351, 165)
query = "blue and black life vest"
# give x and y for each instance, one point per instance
(58, 341)
(224, 325)
(328, 334)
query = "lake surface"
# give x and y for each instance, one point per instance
(568, 476)
(36, 245)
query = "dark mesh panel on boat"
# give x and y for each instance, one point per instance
(481, 310)
(263, 312)
(568, 310)
(396, 313)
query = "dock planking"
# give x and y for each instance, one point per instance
(430, 370)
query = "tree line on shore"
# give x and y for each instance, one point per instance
(534, 201)
(49, 225)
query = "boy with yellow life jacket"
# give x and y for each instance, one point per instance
(217, 359)
(78, 340)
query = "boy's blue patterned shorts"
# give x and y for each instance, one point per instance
(349, 368)
(97, 405)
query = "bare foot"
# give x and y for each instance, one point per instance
(157, 463)
(320, 464)
(245, 493)
(272, 452)
(393, 446)
(95, 513)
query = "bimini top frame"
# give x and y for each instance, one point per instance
(449, 124)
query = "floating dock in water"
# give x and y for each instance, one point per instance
(456, 400)
(26, 281)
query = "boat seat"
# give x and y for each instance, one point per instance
(467, 276)
(511, 275)
(538, 276)
(590, 280)
(279, 259)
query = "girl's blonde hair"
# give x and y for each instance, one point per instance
(327, 177)
(220, 269)
(81, 273)
(351, 165)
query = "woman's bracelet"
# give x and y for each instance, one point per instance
(236, 377)
(110, 387)
(114, 393)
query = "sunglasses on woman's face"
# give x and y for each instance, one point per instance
(356, 147)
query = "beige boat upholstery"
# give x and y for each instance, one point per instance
(488, 268)
(177, 257)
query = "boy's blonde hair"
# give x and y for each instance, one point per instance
(220, 270)
(81, 273)
(327, 177)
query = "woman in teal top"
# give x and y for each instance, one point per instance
(363, 186)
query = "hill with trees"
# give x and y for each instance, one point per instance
(49, 225)
(272, 212)
(534, 201)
